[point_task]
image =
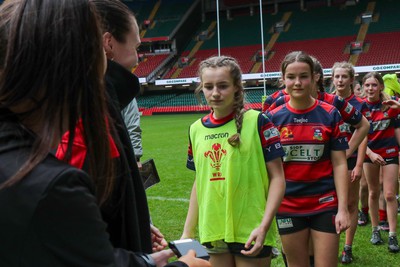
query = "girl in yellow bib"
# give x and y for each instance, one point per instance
(236, 154)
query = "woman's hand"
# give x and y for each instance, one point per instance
(157, 239)
(161, 257)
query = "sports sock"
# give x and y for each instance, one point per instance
(382, 215)
(365, 210)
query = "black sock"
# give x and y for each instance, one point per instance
(284, 258)
(311, 260)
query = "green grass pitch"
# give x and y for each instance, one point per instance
(165, 138)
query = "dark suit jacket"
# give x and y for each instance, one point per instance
(51, 218)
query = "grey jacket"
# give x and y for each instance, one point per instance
(131, 117)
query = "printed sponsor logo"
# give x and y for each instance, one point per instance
(177, 81)
(345, 128)
(348, 109)
(216, 136)
(286, 133)
(270, 133)
(391, 150)
(285, 223)
(301, 120)
(278, 145)
(380, 125)
(217, 176)
(386, 67)
(326, 199)
(304, 153)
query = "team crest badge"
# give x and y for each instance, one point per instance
(317, 134)
(216, 154)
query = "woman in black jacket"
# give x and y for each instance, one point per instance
(51, 77)
(125, 211)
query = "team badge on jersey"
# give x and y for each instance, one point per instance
(348, 108)
(317, 134)
(216, 154)
(345, 128)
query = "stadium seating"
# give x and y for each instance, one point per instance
(388, 21)
(324, 32)
(167, 17)
(324, 22)
(384, 49)
(327, 50)
(150, 62)
(141, 9)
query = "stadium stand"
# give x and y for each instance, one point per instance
(382, 50)
(385, 14)
(326, 32)
(150, 63)
(141, 8)
(167, 17)
(315, 47)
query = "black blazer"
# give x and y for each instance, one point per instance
(51, 218)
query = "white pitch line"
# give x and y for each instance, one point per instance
(169, 199)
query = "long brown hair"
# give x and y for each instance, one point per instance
(382, 95)
(54, 58)
(320, 71)
(236, 75)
